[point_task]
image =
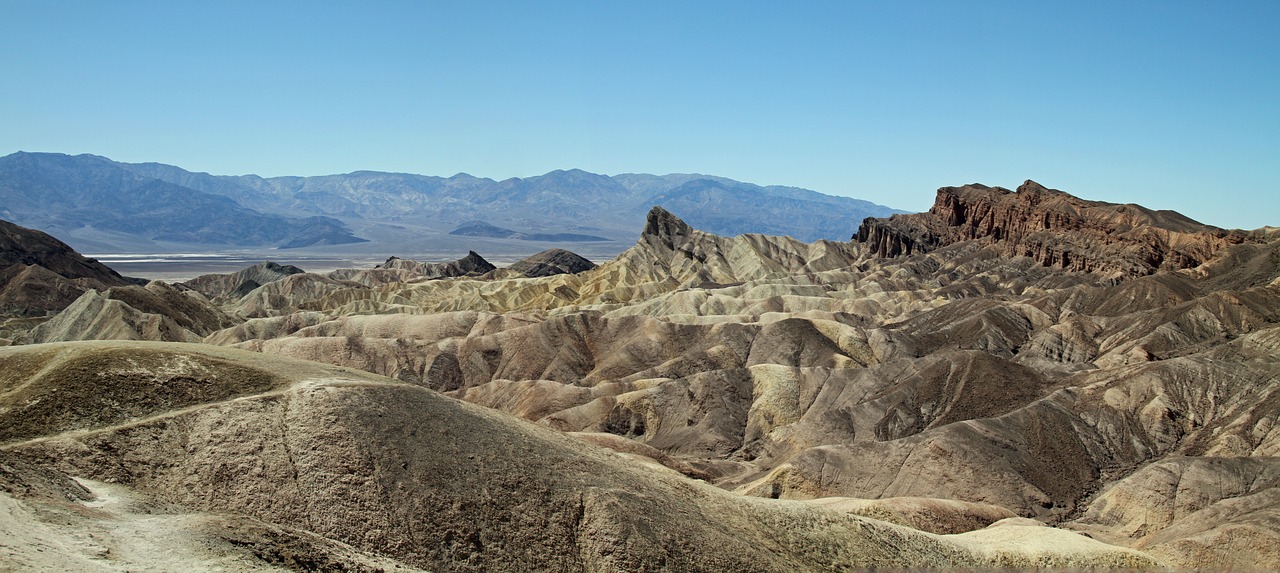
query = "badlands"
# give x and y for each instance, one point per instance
(1013, 379)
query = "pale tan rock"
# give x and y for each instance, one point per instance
(367, 463)
(969, 373)
(1194, 511)
(98, 316)
(942, 516)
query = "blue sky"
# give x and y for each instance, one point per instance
(1174, 105)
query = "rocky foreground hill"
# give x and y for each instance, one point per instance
(1012, 379)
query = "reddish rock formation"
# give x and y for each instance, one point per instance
(1054, 228)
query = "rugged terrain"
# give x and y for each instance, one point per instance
(1014, 378)
(40, 275)
(257, 460)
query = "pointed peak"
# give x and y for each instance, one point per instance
(474, 263)
(1033, 188)
(662, 224)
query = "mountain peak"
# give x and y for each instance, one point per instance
(474, 263)
(1030, 186)
(660, 224)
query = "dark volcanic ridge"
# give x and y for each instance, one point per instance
(240, 283)
(470, 265)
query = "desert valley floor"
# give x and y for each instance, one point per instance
(1013, 379)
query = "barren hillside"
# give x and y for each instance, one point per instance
(1010, 379)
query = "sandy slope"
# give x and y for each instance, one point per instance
(399, 470)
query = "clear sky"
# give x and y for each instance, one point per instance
(1174, 105)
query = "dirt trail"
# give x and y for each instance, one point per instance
(116, 531)
(301, 384)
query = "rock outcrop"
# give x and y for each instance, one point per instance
(552, 262)
(1054, 228)
(472, 264)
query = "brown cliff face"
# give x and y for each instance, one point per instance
(1054, 228)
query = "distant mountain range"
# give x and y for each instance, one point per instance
(106, 206)
(63, 193)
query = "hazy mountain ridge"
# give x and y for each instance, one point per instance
(548, 209)
(561, 200)
(65, 194)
